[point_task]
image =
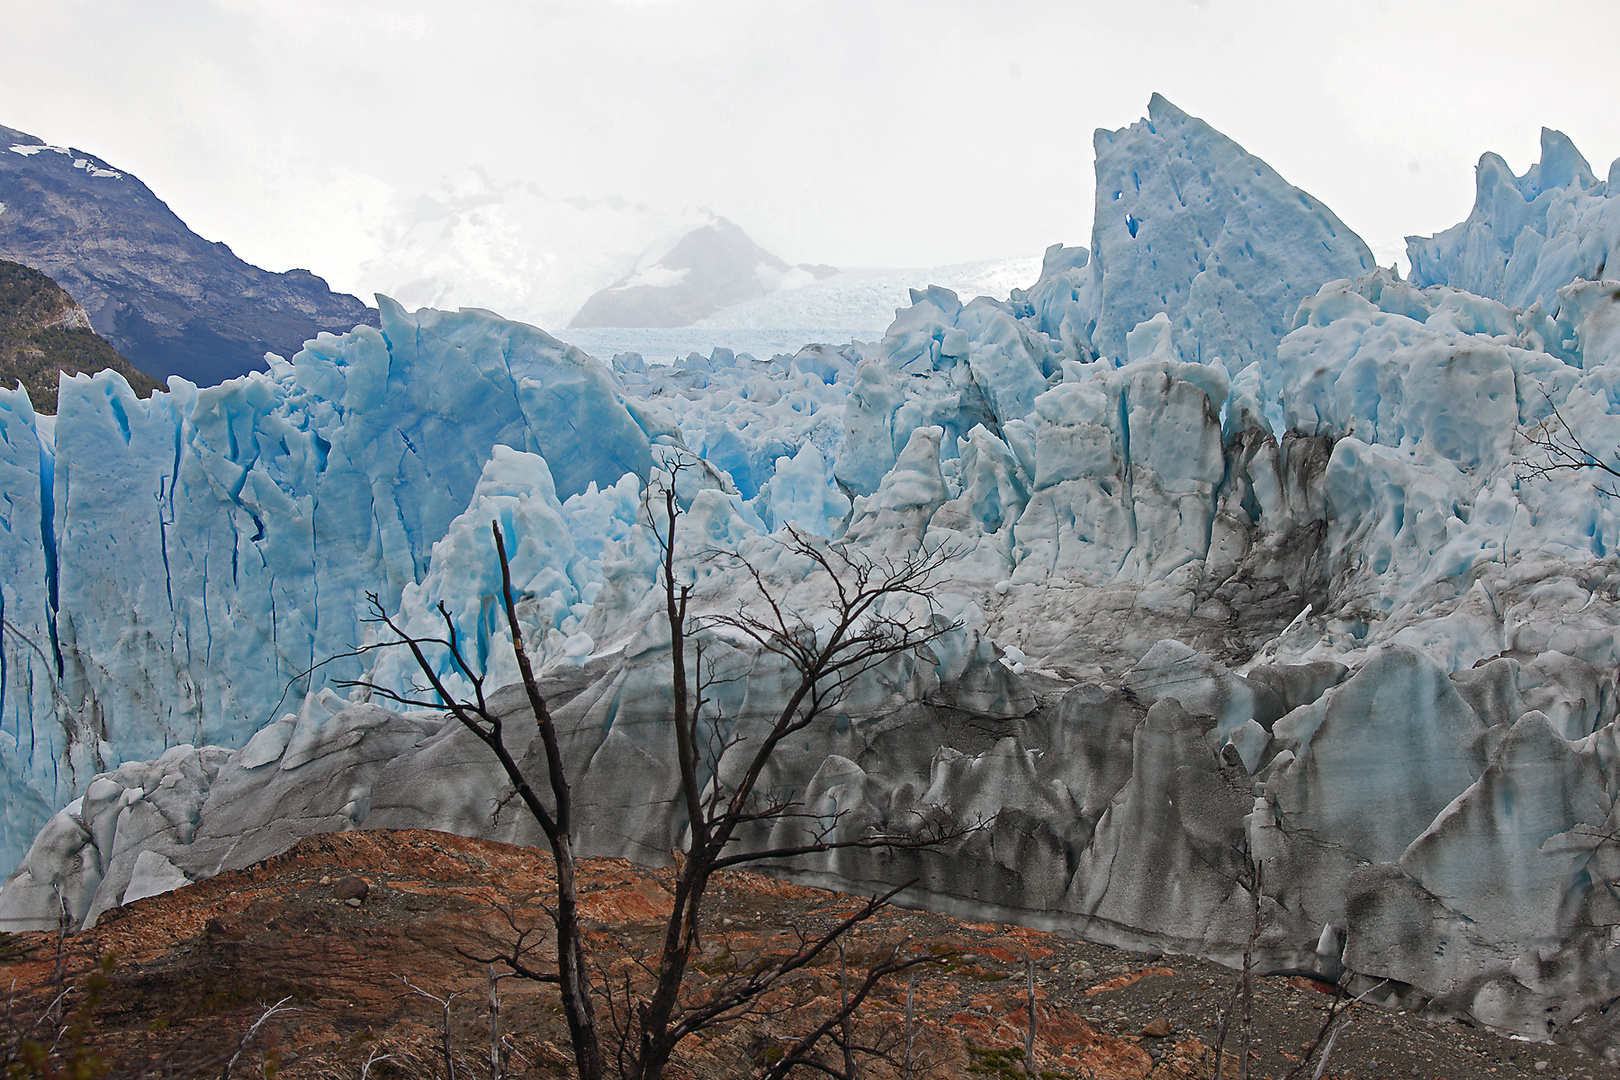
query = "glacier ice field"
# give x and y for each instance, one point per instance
(1253, 569)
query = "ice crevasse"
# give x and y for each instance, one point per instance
(1251, 568)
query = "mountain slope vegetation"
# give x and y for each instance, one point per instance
(44, 332)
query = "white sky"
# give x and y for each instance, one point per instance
(871, 132)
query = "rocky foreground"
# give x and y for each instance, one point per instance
(339, 923)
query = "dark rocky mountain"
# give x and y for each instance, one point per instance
(712, 267)
(44, 332)
(170, 301)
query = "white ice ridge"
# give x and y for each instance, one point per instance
(87, 165)
(1250, 555)
(1190, 224)
(1529, 236)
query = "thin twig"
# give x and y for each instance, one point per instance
(279, 1007)
(1563, 451)
(444, 1003)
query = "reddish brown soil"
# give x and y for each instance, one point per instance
(194, 969)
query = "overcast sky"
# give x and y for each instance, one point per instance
(855, 133)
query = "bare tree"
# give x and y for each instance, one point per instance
(376, 1057)
(878, 608)
(910, 1056)
(1029, 1032)
(555, 822)
(445, 1048)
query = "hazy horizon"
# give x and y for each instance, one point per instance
(906, 134)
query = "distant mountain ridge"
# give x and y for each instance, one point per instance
(44, 332)
(476, 240)
(170, 301)
(708, 269)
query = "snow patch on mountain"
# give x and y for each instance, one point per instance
(27, 150)
(655, 277)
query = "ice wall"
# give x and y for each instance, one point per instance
(34, 746)
(212, 546)
(216, 544)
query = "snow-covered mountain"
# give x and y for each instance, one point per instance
(866, 298)
(855, 304)
(508, 247)
(685, 278)
(1258, 601)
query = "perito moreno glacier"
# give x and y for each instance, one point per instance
(1257, 588)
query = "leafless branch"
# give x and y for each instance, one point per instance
(800, 1053)
(444, 1004)
(241, 1045)
(1562, 450)
(882, 609)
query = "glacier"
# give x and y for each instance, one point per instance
(232, 529)
(1257, 596)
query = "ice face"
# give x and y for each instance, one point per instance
(1278, 576)
(34, 749)
(1191, 225)
(216, 544)
(1528, 236)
